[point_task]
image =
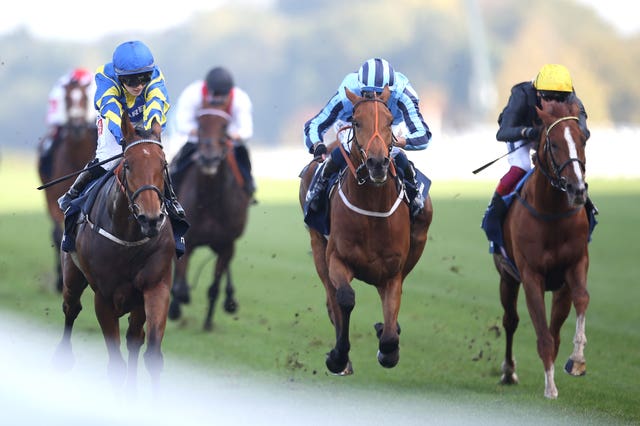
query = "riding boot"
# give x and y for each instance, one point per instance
(317, 191)
(413, 190)
(174, 208)
(180, 162)
(47, 148)
(494, 216)
(591, 208)
(244, 161)
(80, 184)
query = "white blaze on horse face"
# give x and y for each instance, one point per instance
(76, 110)
(573, 153)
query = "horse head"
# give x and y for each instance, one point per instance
(78, 107)
(212, 139)
(143, 175)
(561, 150)
(372, 137)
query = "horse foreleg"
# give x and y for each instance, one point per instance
(57, 239)
(74, 285)
(560, 309)
(156, 307)
(534, 291)
(389, 344)
(577, 364)
(108, 319)
(135, 339)
(509, 289)
(222, 263)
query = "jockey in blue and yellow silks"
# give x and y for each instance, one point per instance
(132, 83)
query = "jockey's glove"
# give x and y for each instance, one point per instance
(319, 150)
(531, 133)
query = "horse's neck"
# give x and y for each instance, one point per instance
(542, 195)
(368, 195)
(111, 210)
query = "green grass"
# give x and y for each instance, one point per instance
(450, 349)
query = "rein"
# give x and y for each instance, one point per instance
(131, 197)
(555, 179)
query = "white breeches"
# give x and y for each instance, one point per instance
(520, 157)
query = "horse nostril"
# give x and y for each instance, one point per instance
(385, 162)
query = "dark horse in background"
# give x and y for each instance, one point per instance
(71, 150)
(546, 233)
(124, 250)
(372, 237)
(217, 208)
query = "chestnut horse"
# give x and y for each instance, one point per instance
(546, 232)
(217, 208)
(124, 251)
(372, 237)
(73, 149)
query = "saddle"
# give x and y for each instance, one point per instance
(80, 207)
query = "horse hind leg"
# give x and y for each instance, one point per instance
(509, 289)
(180, 290)
(73, 287)
(338, 358)
(230, 303)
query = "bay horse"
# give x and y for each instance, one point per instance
(546, 233)
(372, 237)
(217, 207)
(124, 251)
(72, 149)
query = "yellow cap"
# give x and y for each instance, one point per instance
(553, 77)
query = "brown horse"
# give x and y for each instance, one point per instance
(124, 250)
(372, 238)
(546, 234)
(73, 149)
(217, 208)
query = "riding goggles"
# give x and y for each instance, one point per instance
(134, 80)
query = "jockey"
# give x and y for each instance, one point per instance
(132, 83)
(373, 76)
(56, 116)
(217, 89)
(520, 126)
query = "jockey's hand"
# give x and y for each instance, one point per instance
(319, 151)
(531, 133)
(400, 142)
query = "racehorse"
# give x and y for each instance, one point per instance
(372, 237)
(217, 208)
(546, 232)
(72, 149)
(124, 251)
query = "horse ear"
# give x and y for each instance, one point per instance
(128, 131)
(351, 96)
(543, 115)
(386, 92)
(156, 128)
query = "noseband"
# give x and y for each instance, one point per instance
(554, 177)
(131, 196)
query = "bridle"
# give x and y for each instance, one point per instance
(553, 175)
(131, 196)
(363, 151)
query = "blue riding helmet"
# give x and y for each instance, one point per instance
(132, 57)
(376, 73)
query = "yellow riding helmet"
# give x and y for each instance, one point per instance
(553, 77)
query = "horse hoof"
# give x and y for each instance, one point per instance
(230, 306)
(340, 366)
(509, 379)
(174, 310)
(389, 360)
(575, 368)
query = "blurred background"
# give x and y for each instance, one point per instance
(462, 56)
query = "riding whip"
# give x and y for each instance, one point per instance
(70, 175)
(502, 156)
